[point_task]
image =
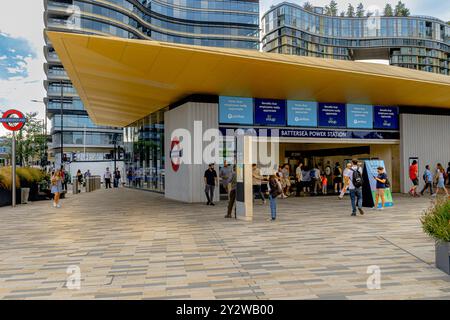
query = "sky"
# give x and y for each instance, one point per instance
(21, 45)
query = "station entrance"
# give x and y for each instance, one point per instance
(326, 157)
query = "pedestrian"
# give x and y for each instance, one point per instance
(414, 177)
(87, 174)
(257, 180)
(107, 177)
(315, 179)
(428, 179)
(337, 173)
(56, 187)
(324, 184)
(382, 182)
(210, 178)
(354, 180)
(225, 175)
(80, 180)
(345, 188)
(286, 180)
(116, 178)
(306, 180)
(64, 179)
(298, 179)
(440, 179)
(275, 190)
(232, 196)
(130, 177)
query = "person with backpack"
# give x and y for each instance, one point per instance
(232, 195)
(354, 180)
(316, 183)
(275, 190)
(428, 179)
(382, 184)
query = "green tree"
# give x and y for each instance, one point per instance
(308, 6)
(401, 10)
(350, 11)
(360, 10)
(388, 11)
(30, 140)
(332, 9)
(342, 14)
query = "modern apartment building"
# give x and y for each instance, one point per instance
(220, 23)
(415, 42)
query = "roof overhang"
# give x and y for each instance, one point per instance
(122, 80)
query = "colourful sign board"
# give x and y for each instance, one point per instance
(359, 116)
(301, 113)
(332, 115)
(270, 112)
(236, 110)
(371, 167)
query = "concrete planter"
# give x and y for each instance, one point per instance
(443, 256)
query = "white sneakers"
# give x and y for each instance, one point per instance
(56, 205)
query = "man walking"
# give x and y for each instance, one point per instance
(107, 178)
(428, 179)
(210, 178)
(315, 179)
(353, 178)
(225, 175)
(414, 176)
(116, 178)
(232, 195)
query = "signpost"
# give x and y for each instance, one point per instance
(13, 120)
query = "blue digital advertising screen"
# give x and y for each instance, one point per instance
(359, 116)
(235, 110)
(270, 112)
(386, 118)
(301, 113)
(332, 115)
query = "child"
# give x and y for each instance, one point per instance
(324, 184)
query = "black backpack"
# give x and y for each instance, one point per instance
(357, 178)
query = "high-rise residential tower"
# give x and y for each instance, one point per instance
(220, 23)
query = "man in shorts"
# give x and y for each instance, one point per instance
(414, 176)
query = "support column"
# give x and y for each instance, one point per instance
(244, 189)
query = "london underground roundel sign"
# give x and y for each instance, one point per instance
(176, 152)
(13, 120)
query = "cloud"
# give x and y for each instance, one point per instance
(21, 56)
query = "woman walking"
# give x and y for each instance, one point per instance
(440, 177)
(56, 183)
(381, 186)
(80, 180)
(275, 190)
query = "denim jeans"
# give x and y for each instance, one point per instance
(273, 206)
(356, 195)
(209, 191)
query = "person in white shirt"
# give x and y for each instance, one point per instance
(354, 175)
(107, 177)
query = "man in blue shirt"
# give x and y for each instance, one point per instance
(428, 179)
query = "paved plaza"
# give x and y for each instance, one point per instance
(132, 244)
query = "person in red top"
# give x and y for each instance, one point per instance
(414, 176)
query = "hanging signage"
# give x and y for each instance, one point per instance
(236, 110)
(332, 115)
(386, 118)
(301, 113)
(176, 153)
(270, 112)
(359, 116)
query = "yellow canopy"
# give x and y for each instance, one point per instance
(122, 80)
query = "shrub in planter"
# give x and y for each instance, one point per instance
(6, 178)
(436, 223)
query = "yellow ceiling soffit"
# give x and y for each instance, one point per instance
(122, 80)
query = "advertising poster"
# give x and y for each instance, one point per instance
(359, 116)
(235, 110)
(302, 113)
(332, 115)
(386, 118)
(270, 112)
(371, 169)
